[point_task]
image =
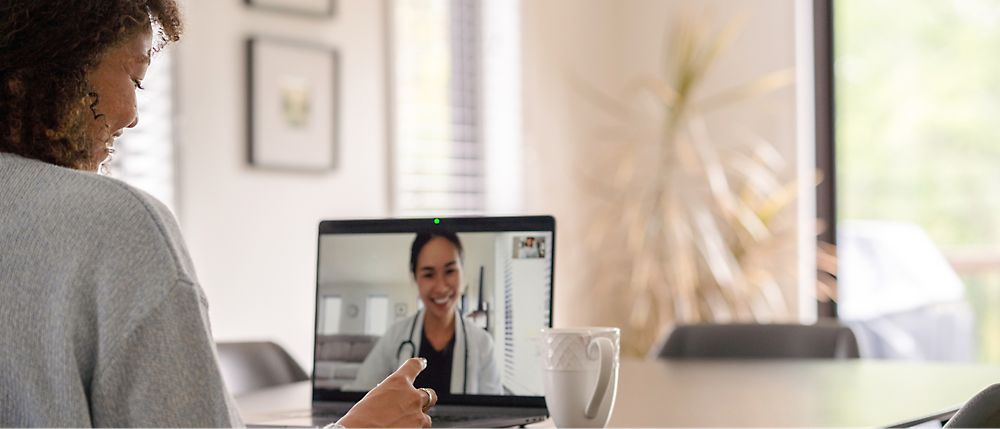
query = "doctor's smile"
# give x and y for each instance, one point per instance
(442, 301)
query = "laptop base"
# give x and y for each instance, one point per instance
(441, 416)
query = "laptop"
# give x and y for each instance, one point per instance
(384, 285)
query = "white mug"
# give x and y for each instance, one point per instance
(580, 375)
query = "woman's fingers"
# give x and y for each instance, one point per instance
(411, 368)
(434, 397)
(425, 402)
(394, 402)
(431, 398)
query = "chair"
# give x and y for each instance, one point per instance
(751, 341)
(982, 411)
(256, 365)
(900, 294)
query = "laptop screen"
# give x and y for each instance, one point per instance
(469, 294)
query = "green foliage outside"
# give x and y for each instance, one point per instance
(918, 126)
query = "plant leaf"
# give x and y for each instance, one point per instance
(756, 88)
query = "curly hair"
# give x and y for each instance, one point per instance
(46, 50)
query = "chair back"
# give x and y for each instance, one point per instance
(752, 341)
(982, 411)
(256, 365)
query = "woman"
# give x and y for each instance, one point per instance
(459, 353)
(102, 320)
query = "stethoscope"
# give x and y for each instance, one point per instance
(413, 348)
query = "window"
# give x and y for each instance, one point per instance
(376, 314)
(439, 163)
(457, 130)
(917, 102)
(144, 155)
(329, 319)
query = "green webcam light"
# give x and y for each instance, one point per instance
(436, 221)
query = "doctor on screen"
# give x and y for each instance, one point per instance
(459, 354)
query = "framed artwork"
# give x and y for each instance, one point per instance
(318, 8)
(292, 105)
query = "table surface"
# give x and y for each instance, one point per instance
(756, 393)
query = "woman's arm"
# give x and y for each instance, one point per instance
(164, 372)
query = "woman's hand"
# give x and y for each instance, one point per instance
(394, 403)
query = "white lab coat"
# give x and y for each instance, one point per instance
(483, 375)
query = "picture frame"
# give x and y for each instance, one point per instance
(292, 105)
(314, 8)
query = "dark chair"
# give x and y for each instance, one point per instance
(251, 366)
(982, 411)
(751, 341)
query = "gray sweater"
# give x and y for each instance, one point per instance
(102, 321)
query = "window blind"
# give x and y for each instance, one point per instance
(436, 82)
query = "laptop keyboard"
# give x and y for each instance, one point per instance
(456, 418)
(327, 414)
(442, 417)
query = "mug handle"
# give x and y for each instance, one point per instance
(605, 348)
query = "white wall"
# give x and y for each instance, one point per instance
(252, 233)
(365, 258)
(608, 43)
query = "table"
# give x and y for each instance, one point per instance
(774, 393)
